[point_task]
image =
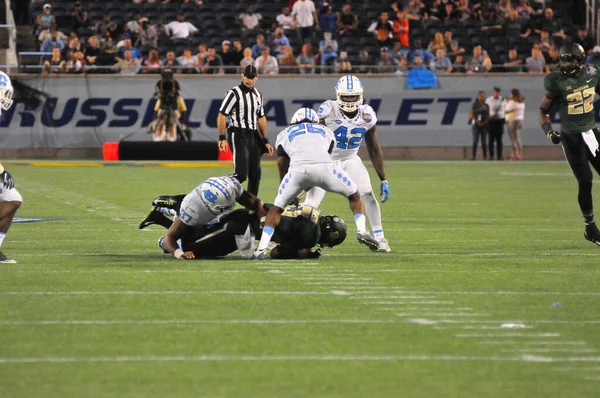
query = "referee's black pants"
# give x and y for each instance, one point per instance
(580, 157)
(495, 135)
(247, 150)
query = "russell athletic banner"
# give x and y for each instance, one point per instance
(85, 112)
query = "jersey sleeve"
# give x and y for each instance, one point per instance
(228, 103)
(369, 116)
(324, 110)
(549, 83)
(281, 140)
(261, 110)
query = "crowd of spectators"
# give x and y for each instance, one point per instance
(305, 36)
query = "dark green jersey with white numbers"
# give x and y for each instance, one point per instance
(574, 97)
(298, 228)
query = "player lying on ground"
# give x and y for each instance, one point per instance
(304, 161)
(212, 198)
(300, 230)
(572, 88)
(351, 121)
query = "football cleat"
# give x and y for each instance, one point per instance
(259, 255)
(366, 239)
(592, 234)
(6, 260)
(170, 202)
(154, 217)
(384, 247)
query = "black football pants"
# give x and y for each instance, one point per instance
(247, 151)
(580, 157)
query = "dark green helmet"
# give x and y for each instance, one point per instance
(333, 231)
(571, 59)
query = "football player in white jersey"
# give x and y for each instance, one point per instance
(205, 205)
(351, 121)
(10, 198)
(304, 161)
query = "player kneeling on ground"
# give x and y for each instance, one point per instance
(10, 201)
(304, 161)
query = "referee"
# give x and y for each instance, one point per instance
(247, 129)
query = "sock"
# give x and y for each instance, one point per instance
(2, 236)
(167, 212)
(374, 214)
(361, 222)
(588, 218)
(265, 238)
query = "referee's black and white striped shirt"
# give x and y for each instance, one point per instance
(243, 106)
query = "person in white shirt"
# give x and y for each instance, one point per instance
(285, 20)
(266, 63)
(305, 18)
(496, 124)
(515, 113)
(250, 20)
(180, 29)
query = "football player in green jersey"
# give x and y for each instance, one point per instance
(572, 88)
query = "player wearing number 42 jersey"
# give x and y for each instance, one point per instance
(572, 88)
(351, 121)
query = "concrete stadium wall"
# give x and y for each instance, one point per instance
(74, 116)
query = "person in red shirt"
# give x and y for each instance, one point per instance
(401, 28)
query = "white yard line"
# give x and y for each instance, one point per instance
(545, 342)
(450, 314)
(51, 322)
(451, 322)
(162, 293)
(508, 334)
(394, 296)
(550, 350)
(328, 278)
(492, 293)
(333, 283)
(407, 302)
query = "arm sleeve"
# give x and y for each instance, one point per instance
(550, 87)
(228, 103)
(261, 110)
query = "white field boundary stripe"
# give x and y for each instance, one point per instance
(392, 296)
(407, 302)
(290, 358)
(509, 334)
(344, 284)
(545, 342)
(450, 314)
(51, 322)
(165, 293)
(493, 293)
(328, 278)
(500, 322)
(549, 350)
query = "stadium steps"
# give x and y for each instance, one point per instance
(27, 42)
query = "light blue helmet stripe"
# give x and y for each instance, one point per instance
(349, 82)
(215, 183)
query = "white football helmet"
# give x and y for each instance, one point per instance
(305, 115)
(349, 91)
(6, 91)
(219, 194)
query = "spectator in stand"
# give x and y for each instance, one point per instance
(212, 62)
(535, 63)
(305, 19)
(285, 20)
(524, 10)
(583, 38)
(402, 28)
(347, 22)
(93, 53)
(416, 8)
(180, 29)
(327, 18)
(266, 63)
(485, 11)
(513, 26)
(134, 24)
(450, 14)
(228, 58)
(74, 44)
(250, 20)
(47, 34)
(187, 61)
(386, 64)
(247, 59)
(147, 36)
(552, 63)
(442, 63)
(503, 8)
(459, 65)
(382, 29)
(152, 64)
(464, 10)
(328, 48)
(109, 50)
(418, 63)
(550, 24)
(238, 52)
(437, 43)
(125, 35)
(160, 28)
(452, 47)
(544, 44)
(343, 66)
(202, 52)
(288, 63)
(55, 64)
(127, 46)
(415, 50)
(278, 39)
(79, 18)
(365, 64)
(513, 63)
(104, 26)
(306, 61)
(53, 42)
(279, 52)
(259, 46)
(435, 11)
(75, 62)
(128, 65)
(171, 62)
(594, 57)
(44, 21)
(396, 52)
(479, 62)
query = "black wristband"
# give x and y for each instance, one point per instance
(222, 137)
(547, 127)
(265, 140)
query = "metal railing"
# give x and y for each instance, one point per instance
(11, 58)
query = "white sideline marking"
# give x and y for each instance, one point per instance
(501, 293)
(536, 174)
(386, 297)
(408, 302)
(165, 292)
(327, 278)
(467, 335)
(500, 322)
(345, 283)
(547, 350)
(494, 342)
(274, 271)
(451, 314)
(340, 293)
(482, 327)
(193, 321)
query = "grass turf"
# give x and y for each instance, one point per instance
(94, 309)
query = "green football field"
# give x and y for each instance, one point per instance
(490, 291)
